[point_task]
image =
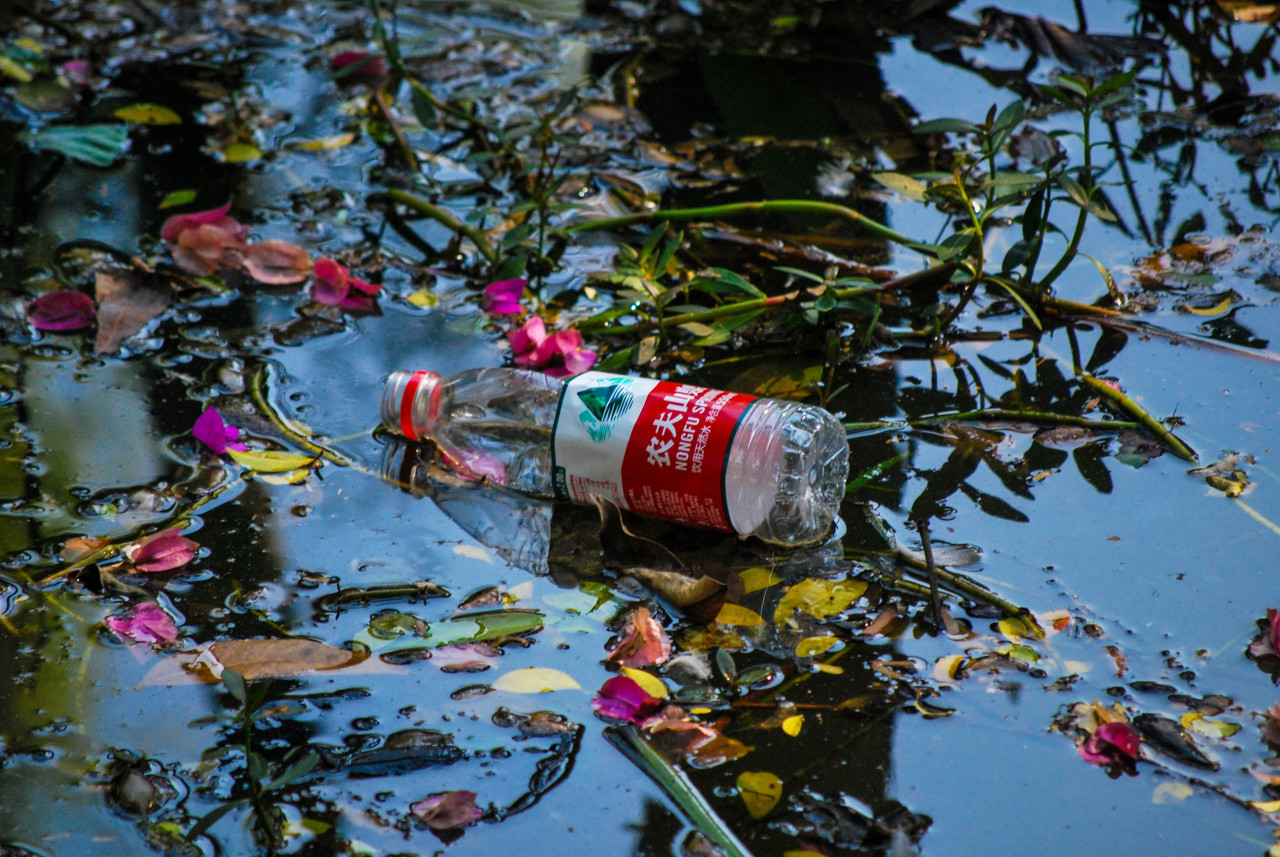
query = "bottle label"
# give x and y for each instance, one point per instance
(655, 447)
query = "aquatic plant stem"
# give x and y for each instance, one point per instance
(257, 390)
(677, 786)
(996, 414)
(1139, 413)
(740, 209)
(440, 215)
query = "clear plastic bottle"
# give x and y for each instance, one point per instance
(756, 466)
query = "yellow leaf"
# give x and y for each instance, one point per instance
(948, 667)
(829, 669)
(15, 71)
(1217, 309)
(736, 614)
(423, 299)
(813, 646)
(792, 724)
(648, 682)
(1016, 628)
(293, 477)
(148, 114)
(241, 153)
(1172, 792)
(270, 460)
(1267, 806)
(755, 579)
(535, 680)
(1200, 725)
(323, 144)
(818, 598)
(760, 791)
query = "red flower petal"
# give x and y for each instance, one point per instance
(621, 698)
(643, 642)
(61, 310)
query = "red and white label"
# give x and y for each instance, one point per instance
(658, 448)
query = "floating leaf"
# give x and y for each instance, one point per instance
(293, 477)
(1217, 309)
(144, 623)
(148, 114)
(1017, 628)
(535, 680)
(948, 667)
(448, 810)
(737, 615)
(127, 301)
(760, 791)
(648, 682)
(818, 598)
(324, 144)
(96, 145)
(1198, 724)
(177, 197)
(912, 189)
(1172, 792)
(811, 647)
(270, 460)
(483, 626)
(792, 724)
(754, 579)
(423, 299)
(277, 262)
(240, 153)
(274, 658)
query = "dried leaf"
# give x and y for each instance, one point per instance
(535, 680)
(760, 791)
(811, 647)
(274, 658)
(754, 579)
(127, 301)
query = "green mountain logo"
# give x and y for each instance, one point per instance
(604, 405)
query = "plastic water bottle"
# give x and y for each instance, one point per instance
(693, 455)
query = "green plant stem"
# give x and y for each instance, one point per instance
(1139, 413)
(257, 390)
(440, 215)
(740, 209)
(996, 414)
(1073, 246)
(677, 786)
(964, 585)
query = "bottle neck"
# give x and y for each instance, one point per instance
(410, 403)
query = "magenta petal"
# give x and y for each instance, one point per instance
(621, 698)
(448, 810)
(210, 430)
(503, 297)
(528, 336)
(1110, 743)
(164, 551)
(145, 623)
(330, 281)
(235, 231)
(65, 309)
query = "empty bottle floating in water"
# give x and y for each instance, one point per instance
(693, 455)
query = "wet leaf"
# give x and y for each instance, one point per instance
(755, 579)
(648, 682)
(148, 114)
(1197, 724)
(483, 627)
(535, 680)
(818, 598)
(270, 460)
(176, 198)
(324, 144)
(760, 791)
(240, 153)
(448, 810)
(274, 658)
(1015, 628)
(127, 301)
(1217, 309)
(792, 725)
(144, 623)
(1172, 792)
(811, 647)
(912, 189)
(739, 616)
(96, 145)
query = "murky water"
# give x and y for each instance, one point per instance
(1150, 580)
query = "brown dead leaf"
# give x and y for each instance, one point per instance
(127, 300)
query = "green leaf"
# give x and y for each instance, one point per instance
(96, 145)
(178, 197)
(913, 189)
(946, 126)
(235, 684)
(955, 245)
(1120, 80)
(1010, 117)
(807, 275)
(297, 770)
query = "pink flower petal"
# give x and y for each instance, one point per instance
(1112, 742)
(621, 698)
(203, 248)
(481, 464)
(144, 623)
(528, 336)
(217, 218)
(365, 67)
(448, 810)
(277, 262)
(65, 309)
(643, 642)
(210, 430)
(1268, 642)
(503, 297)
(164, 551)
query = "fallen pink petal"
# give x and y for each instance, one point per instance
(164, 551)
(144, 623)
(202, 248)
(333, 285)
(361, 66)
(213, 432)
(559, 355)
(480, 464)
(621, 698)
(216, 218)
(276, 262)
(448, 810)
(65, 309)
(643, 642)
(503, 297)
(1112, 742)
